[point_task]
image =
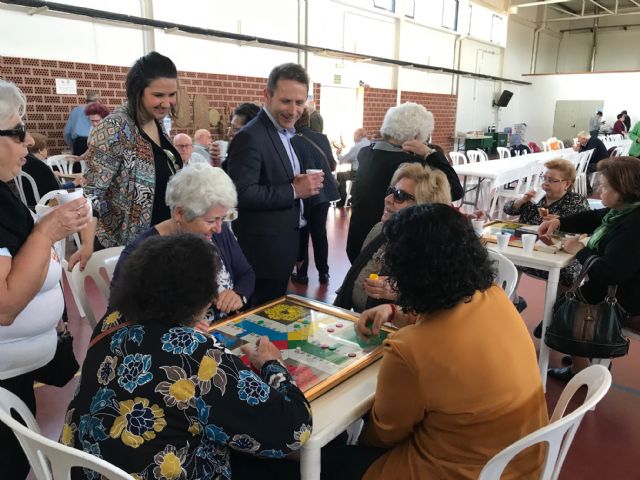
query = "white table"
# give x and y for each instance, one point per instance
(552, 263)
(333, 412)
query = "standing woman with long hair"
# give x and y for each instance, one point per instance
(130, 157)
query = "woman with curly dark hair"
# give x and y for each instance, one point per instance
(161, 399)
(459, 381)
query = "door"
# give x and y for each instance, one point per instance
(341, 109)
(572, 116)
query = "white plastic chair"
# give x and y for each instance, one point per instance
(507, 277)
(581, 171)
(552, 144)
(503, 152)
(483, 156)
(457, 158)
(20, 187)
(102, 260)
(48, 459)
(561, 429)
(524, 184)
(61, 162)
(474, 156)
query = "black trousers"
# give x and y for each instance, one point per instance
(342, 185)
(316, 228)
(13, 462)
(268, 289)
(348, 462)
(248, 467)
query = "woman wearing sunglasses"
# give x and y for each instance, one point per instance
(559, 200)
(201, 199)
(130, 157)
(31, 300)
(412, 184)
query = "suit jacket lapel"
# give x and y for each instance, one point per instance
(277, 144)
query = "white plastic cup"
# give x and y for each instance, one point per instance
(528, 242)
(311, 171)
(478, 225)
(224, 146)
(64, 196)
(503, 240)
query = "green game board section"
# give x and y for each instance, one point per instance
(316, 351)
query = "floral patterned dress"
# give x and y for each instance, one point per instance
(569, 204)
(165, 402)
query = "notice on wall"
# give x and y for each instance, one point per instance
(337, 79)
(66, 86)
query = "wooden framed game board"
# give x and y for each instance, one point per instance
(319, 345)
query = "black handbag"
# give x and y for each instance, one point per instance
(63, 366)
(586, 330)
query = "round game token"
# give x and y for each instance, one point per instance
(260, 322)
(331, 330)
(339, 325)
(351, 354)
(295, 325)
(373, 276)
(305, 321)
(332, 347)
(324, 346)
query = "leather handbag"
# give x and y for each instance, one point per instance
(587, 330)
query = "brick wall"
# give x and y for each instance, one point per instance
(443, 108)
(378, 100)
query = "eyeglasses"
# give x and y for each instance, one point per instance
(186, 145)
(20, 132)
(399, 196)
(546, 179)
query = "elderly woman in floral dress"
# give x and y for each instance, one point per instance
(161, 399)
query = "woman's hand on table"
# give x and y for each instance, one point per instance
(262, 352)
(229, 301)
(550, 217)
(202, 326)
(64, 220)
(572, 245)
(371, 319)
(379, 288)
(548, 227)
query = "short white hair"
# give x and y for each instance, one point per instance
(408, 121)
(198, 188)
(12, 102)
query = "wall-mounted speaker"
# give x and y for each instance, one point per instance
(503, 101)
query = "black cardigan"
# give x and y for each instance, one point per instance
(375, 170)
(619, 250)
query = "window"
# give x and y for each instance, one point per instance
(450, 14)
(497, 29)
(410, 8)
(389, 5)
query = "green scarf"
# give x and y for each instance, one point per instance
(609, 219)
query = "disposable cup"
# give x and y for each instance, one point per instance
(528, 242)
(224, 146)
(478, 225)
(503, 240)
(64, 196)
(311, 171)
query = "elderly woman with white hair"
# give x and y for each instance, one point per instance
(201, 199)
(405, 131)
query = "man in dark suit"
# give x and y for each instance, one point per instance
(271, 183)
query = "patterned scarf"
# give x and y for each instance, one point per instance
(609, 219)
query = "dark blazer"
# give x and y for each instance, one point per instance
(268, 214)
(619, 253)
(600, 152)
(376, 168)
(310, 157)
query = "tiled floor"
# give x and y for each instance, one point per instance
(603, 447)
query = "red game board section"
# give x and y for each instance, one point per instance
(303, 375)
(281, 344)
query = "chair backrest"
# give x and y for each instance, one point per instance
(102, 260)
(545, 146)
(504, 152)
(561, 429)
(48, 459)
(483, 156)
(20, 187)
(457, 158)
(553, 144)
(60, 162)
(474, 156)
(507, 277)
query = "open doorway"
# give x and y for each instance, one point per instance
(342, 112)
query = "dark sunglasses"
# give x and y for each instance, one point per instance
(20, 132)
(399, 196)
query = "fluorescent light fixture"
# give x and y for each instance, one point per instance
(538, 4)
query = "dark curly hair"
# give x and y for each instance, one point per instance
(168, 280)
(434, 258)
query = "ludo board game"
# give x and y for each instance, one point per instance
(318, 342)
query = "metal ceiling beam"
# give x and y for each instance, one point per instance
(602, 7)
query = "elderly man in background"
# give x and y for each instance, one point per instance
(184, 145)
(360, 140)
(271, 182)
(76, 131)
(405, 129)
(588, 142)
(206, 147)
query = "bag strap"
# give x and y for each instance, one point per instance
(583, 272)
(317, 147)
(108, 331)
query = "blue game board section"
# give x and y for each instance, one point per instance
(252, 327)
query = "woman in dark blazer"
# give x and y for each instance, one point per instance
(315, 152)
